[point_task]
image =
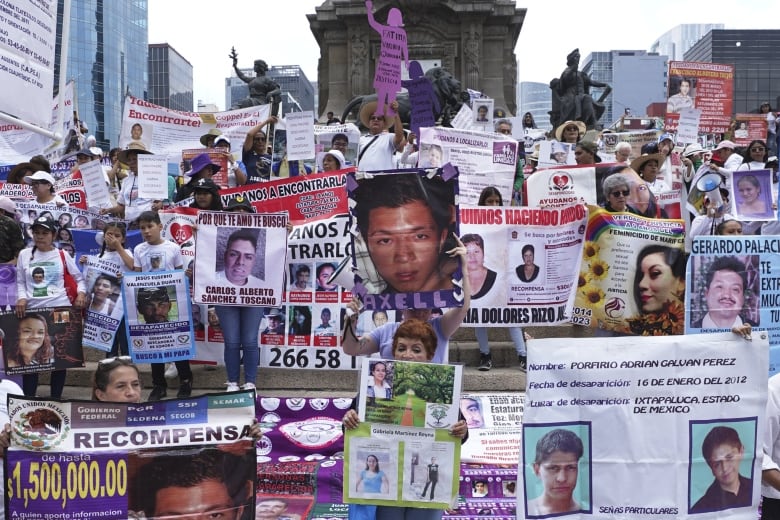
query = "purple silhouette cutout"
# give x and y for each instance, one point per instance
(387, 77)
(423, 100)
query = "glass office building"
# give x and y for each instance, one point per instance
(107, 58)
(170, 78)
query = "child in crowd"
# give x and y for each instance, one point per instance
(157, 254)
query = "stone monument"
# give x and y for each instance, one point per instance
(472, 39)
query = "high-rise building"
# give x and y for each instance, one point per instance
(637, 78)
(537, 99)
(297, 90)
(755, 60)
(106, 59)
(676, 41)
(170, 78)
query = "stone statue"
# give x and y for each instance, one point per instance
(448, 92)
(571, 99)
(262, 90)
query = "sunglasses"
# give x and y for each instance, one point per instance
(618, 193)
(505, 132)
(758, 149)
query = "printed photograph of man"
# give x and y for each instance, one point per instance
(556, 465)
(193, 483)
(472, 412)
(482, 113)
(324, 272)
(272, 509)
(301, 275)
(683, 97)
(275, 320)
(242, 265)
(405, 221)
(726, 285)
(432, 156)
(154, 304)
(325, 328)
(723, 451)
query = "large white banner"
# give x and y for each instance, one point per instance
(29, 28)
(522, 263)
(483, 159)
(165, 131)
(631, 427)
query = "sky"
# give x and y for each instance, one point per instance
(204, 31)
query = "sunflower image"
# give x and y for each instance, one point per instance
(583, 279)
(599, 269)
(593, 295)
(670, 320)
(590, 250)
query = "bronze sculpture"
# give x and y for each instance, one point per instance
(262, 89)
(571, 99)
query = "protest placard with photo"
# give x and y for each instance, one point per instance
(124, 460)
(218, 156)
(44, 340)
(158, 316)
(391, 393)
(752, 195)
(616, 289)
(706, 86)
(405, 225)
(695, 394)
(392, 478)
(493, 421)
(731, 281)
(483, 159)
(179, 227)
(344, 138)
(105, 307)
(523, 263)
(241, 260)
(750, 127)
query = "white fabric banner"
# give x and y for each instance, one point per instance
(630, 427)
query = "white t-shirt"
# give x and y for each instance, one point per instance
(128, 197)
(378, 156)
(161, 257)
(51, 291)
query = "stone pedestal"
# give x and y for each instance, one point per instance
(473, 39)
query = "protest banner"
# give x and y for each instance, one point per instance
(105, 307)
(418, 467)
(44, 340)
(300, 135)
(158, 316)
(27, 74)
(483, 159)
(752, 195)
(750, 127)
(556, 153)
(152, 177)
(390, 393)
(522, 263)
(69, 219)
(344, 138)
(80, 459)
(241, 260)
(563, 186)
(304, 198)
(636, 139)
(705, 86)
(71, 188)
(400, 250)
(614, 291)
(733, 281)
(703, 398)
(96, 189)
(179, 227)
(493, 421)
(166, 132)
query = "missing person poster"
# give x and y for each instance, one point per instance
(706, 86)
(482, 158)
(493, 421)
(44, 340)
(618, 288)
(522, 263)
(404, 238)
(733, 281)
(692, 407)
(179, 226)
(341, 137)
(391, 393)
(105, 307)
(120, 460)
(401, 466)
(158, 316)
(241, 260)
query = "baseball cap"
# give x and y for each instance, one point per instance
(46, 223)
(149, 294)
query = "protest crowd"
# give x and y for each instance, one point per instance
(305, 242)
